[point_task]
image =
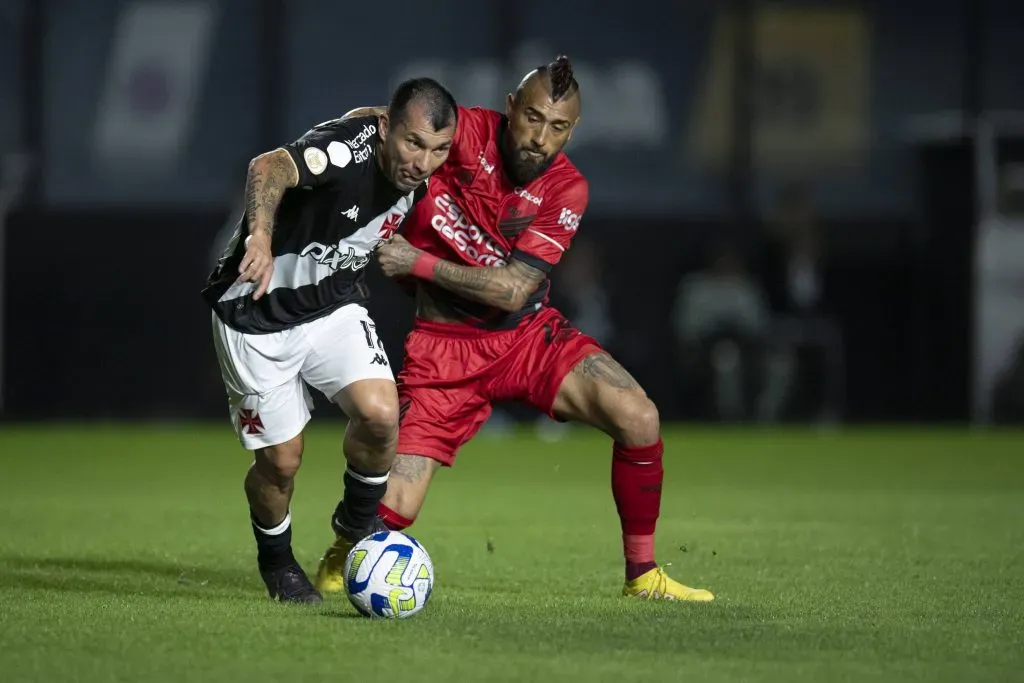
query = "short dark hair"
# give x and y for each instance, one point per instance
(442, 110)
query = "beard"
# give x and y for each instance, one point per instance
(521, 168)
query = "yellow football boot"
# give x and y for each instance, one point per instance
(330, 575)
(657, 585)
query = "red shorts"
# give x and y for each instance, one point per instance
(452, 372)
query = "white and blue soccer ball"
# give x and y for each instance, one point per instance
(389, 575)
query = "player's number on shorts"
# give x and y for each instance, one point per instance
(372, 340)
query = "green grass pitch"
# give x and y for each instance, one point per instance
(898, 555)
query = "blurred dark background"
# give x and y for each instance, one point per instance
(800, 211)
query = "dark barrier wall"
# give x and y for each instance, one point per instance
(107, 321)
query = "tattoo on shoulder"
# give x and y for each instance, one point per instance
(601, 367)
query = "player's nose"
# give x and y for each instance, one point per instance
(540, 137)
(421, 162)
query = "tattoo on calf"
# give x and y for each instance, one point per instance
(601, 367)
(411, 468)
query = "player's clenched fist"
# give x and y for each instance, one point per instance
(258, 263)
(397, 256)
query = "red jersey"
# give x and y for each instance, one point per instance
(474, 215)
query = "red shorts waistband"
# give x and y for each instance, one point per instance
(447, 329)
(467, 331)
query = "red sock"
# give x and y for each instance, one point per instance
(392, 519)
(637, 474)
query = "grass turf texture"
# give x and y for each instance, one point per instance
(126, 555)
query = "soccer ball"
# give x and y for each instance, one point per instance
(389, 575)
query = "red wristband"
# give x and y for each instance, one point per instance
(423, 266)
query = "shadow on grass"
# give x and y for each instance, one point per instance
(343, 613)
(140, 576)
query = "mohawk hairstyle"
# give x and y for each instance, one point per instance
(562, 80)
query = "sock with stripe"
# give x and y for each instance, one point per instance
(392, 519)
(363, 492)
(273, 544)
(637, 474)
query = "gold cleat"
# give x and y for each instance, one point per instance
(330, 575)
(657, 585)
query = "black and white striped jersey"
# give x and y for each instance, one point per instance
(325, 233)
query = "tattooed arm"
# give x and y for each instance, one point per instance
(270, 174)
(505, 287)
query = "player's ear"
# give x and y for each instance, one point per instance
(510, 104)
(383, 126)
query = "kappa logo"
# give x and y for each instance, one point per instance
(521, 191)
(379, 359)
(569, 219)
(352, 214)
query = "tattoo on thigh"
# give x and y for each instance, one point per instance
(601, 367)
(411, 468)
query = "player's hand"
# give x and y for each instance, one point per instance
(258, 264)
(396, 256)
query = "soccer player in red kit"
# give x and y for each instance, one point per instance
(498, 216)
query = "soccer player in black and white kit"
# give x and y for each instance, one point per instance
(288, 309)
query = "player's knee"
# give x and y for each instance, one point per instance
(636, 421)
(280, 463)
(377, 418)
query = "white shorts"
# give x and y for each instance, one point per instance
(266, 374)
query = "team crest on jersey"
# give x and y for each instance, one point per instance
(390, 225)
(250, 422)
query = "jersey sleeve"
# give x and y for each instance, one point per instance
(322, 154)
(542, 244)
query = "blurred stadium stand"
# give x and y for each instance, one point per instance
(863, 161)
